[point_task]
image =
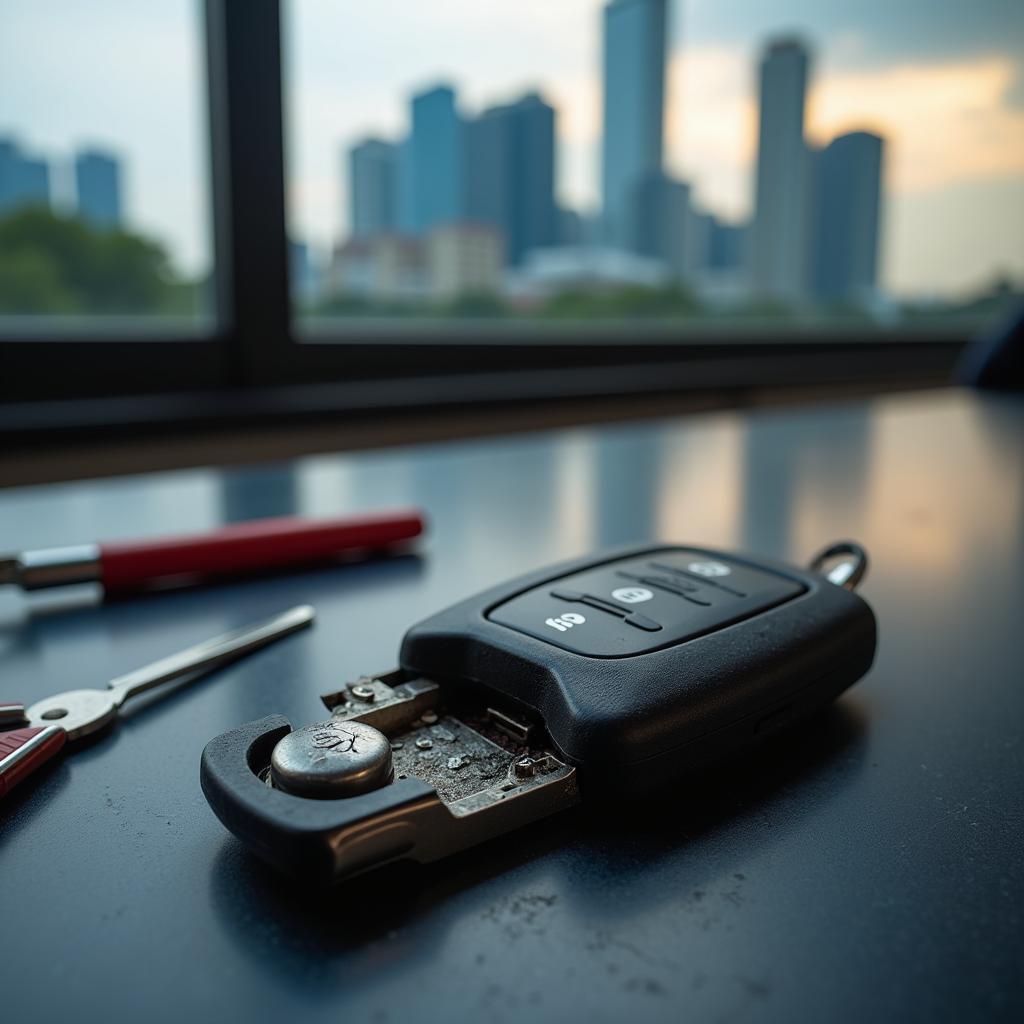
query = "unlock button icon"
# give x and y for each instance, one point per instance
(632, 595)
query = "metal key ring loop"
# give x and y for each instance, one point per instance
(851, 568)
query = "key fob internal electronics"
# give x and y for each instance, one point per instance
(599, 678)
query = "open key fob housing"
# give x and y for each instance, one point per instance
(604, 676)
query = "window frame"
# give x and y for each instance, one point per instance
(253, 344)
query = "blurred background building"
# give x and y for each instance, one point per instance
(510, 175)
(847, 198)
(24, 179)
(634, 112)
(432, 166)
(98, 188)
(373, 192)
(780, 251)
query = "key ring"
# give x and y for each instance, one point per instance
(849, 571)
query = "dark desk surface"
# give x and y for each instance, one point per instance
(870, 867)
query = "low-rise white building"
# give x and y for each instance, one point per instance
(464, 259)
(546, 272)
(451, 260)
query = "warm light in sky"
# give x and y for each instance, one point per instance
(947, 122)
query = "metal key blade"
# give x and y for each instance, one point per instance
(81, 712)
(210, 654)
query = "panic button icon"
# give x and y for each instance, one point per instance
(709, 569)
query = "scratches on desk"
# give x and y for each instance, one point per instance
(655, 970)
(520, 915)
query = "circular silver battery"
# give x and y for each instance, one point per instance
(331, 760)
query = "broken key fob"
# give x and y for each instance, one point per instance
(605, 676)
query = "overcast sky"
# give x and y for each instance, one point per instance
(943, 81)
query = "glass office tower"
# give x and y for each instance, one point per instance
(510, 180)
(98, 188)
(24, 180)
(848, 187)
(779, 264)
(373, 188)
(634, 110)
(433, 162)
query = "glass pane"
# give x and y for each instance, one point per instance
(104, 181)
(539, 164)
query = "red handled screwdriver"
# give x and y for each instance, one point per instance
(242, 548)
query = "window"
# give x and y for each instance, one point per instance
(471, 202)
(104, 181)
(535, 165)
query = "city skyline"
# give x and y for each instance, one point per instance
(813, 235)
(942, 82)
(957, 189)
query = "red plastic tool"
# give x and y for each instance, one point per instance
(242, 548)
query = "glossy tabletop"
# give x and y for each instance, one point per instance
(869, 866)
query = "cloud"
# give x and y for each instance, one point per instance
(945, 123)
(711, 125)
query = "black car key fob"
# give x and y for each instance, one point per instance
(598, 678)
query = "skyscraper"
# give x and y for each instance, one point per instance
(779, 260)
(727, 245)
(661, 213)
(373, 188)
(24, 181)
(434, 161)
(634, 110)
(848, 190)
(510, 174)
(98, 188)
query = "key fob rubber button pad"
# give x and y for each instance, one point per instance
(689, 595)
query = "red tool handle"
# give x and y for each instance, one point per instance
(22, 751)
(250, 547)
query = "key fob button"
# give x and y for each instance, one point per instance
(689, 591)
(632, 595)
(709, 568)
(642, 622)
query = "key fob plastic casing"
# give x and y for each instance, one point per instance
(604, 676)
(651, 661)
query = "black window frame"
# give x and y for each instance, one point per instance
(253, 345)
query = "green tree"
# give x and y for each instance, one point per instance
(55, 264)
(473, 304)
